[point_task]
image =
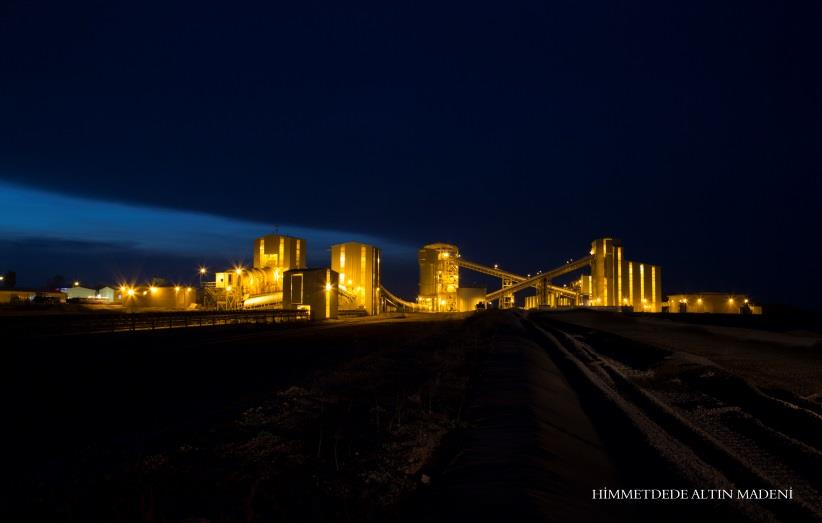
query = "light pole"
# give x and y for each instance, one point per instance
(202, 272)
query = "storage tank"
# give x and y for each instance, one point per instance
(439, 277)
(358, 265)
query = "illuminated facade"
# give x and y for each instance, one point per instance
(617, 282)
(712, 302)
(439, 278)
(157, 297)
(612, 281)
(468, 298)
(261, 285)
(277, 251)
(609, 280)
(358, 265)
(314, 290)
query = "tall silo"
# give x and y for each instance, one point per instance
(439, 277)
(358, 265)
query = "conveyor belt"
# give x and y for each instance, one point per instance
(396, 300)
(534, 280)
(519, 280)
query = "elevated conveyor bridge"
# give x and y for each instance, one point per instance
(512, 283)
(398, 302)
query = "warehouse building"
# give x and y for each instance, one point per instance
(712, 302)
(159, 297)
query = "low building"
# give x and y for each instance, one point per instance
(469, 297)
(314, 290)
(106, 293)
(21, 297)
(158, 297)
(79, 292)
(712, 302)
(16, 296)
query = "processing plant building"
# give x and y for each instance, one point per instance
(351, 283)
(280, 278)
(607, 279)
(617, 282)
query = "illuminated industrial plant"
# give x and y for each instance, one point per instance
(351, 285)
(279, 278)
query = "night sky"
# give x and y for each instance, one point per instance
(147, 138)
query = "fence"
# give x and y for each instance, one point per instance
(52, 325)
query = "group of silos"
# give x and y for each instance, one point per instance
(612, 281)
(280, 278)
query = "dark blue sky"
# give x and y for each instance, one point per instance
(518, 131)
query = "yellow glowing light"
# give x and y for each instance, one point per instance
(730, 300)
(746, 300)
(130, 292)
(188, 289)
(496, 266)
(699, 300)
(202, 270)
(77, 284)
(238, 271)
(144, 293)
(177, 289)
(228, 288)
(328, 286)
(153, 289)
(122, 288)
(349, 282)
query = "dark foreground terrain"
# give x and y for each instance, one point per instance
(493, 416)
